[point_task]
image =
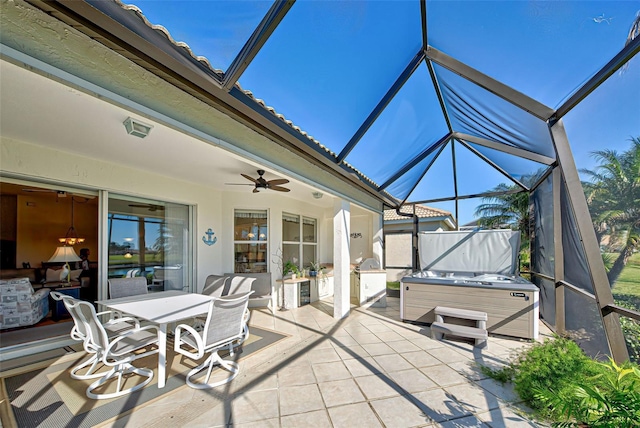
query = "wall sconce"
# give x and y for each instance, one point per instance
(137, 128)
(316, 195)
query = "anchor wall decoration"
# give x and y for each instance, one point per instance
(210, 238)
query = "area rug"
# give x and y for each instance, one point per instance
(50, 398)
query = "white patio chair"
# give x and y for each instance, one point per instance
(240, 284)
(117, 353)
(224, 285)
(223, 328)
(214, 285)
(79, 332)
(125, 287)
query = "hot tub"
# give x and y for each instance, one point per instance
(511, 302)
(474, 270)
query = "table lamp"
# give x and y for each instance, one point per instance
(65, 255)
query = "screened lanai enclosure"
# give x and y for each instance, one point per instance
(420, 102)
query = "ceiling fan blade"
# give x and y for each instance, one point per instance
(249, 178)
(256, 190)
(279, 189)
(278, 181)
(239, 184)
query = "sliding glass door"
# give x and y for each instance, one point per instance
(150, 239)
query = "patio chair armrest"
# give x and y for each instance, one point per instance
(105, 357)
(178, 341)
(113, 321)
(75, 335)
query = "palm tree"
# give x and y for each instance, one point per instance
(614, 196)
(634, 32)
(508, 209)
(597, 208)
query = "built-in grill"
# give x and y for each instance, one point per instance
(368, 265)
(369, 282)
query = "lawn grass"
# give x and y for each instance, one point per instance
(628, 283)
(395, 285)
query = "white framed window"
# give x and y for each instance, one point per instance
(250, 240)
(299, 240)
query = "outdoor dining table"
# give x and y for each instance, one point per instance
(161, 308)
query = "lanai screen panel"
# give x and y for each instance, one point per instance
(345, 63)
(484, 177)
(584, 325)
(582, 315)
(412, 121)
(542, 247)
(474, 110)
(438, 181)
(403, 186)
(576, 269)
(530, 45)
(519, 168)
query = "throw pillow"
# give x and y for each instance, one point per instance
(75, 274)
(53, 275)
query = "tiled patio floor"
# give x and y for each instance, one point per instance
(368, 370)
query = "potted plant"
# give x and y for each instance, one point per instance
(290, 268)
(315, 268)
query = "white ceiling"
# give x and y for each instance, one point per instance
(40, 111)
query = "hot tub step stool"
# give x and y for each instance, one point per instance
(479, 332)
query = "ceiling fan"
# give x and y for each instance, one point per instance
(150, 207)
(261, 183)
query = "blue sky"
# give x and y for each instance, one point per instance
(329, 63)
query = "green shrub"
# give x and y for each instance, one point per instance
(554, 364)
(502, 375)
(560, 382)
(610, 398)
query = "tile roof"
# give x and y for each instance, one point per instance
(421, 210)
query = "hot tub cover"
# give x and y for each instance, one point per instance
(489, 251)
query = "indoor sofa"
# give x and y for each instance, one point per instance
(19, 305)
